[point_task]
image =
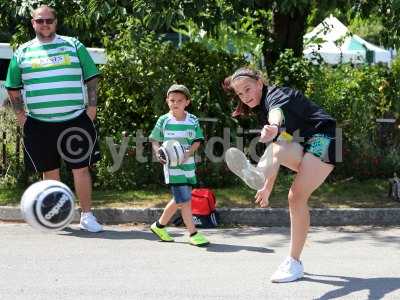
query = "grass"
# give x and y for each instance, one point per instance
(345, 194)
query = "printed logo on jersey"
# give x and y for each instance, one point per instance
(54, 61)
(190, 134)
(170, 134)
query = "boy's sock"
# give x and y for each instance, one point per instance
(159, 225)
(194, 233)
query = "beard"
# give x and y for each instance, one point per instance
(48, 36)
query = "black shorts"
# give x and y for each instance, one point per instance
(46, 143)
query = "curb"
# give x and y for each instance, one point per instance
(262, 217)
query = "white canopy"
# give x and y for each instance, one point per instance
(336, 44)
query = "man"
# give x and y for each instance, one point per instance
(45, 84)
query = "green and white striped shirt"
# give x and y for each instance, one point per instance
(51, 76)
(186, 132)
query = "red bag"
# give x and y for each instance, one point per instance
(203, 202)
(203, 209)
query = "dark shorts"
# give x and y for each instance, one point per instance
(323, 146)
(47, 143)
(181, 193)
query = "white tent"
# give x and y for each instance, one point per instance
(336, 44)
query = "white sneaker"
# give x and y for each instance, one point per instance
(89, 223)
(289, 270)
(239, 165)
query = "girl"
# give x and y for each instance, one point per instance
(309, 151)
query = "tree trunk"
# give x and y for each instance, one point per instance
(287, 33)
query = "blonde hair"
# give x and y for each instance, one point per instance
(52, 10)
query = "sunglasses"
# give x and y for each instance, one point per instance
(42, 21)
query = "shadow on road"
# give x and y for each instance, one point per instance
(214, 247)
(377, 287)
(111, 234)
(235, 248)
(144, 235)
(375, 234)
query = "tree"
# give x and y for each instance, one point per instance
(280, 24)
(289, 20)
(388, 11)
(91, 20)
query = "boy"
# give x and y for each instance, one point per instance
(178, 125)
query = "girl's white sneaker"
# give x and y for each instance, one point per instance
(290, 270)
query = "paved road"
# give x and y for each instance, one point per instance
(127, 262)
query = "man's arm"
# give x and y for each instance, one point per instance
(18, 105)
(92, 97)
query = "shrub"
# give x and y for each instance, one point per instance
(132, 97)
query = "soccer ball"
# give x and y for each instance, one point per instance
(172, 152)
(48, 205)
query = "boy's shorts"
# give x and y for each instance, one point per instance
(181, 193)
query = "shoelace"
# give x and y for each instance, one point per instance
(90, 217)
(285, 266)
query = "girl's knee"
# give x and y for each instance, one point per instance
(297, 197)
(291, 198)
